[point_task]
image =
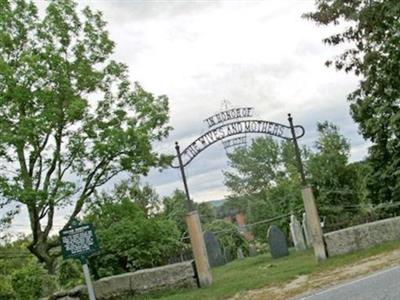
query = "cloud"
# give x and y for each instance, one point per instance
(142, 10)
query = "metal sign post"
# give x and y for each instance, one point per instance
(80, 242)
(88, 280)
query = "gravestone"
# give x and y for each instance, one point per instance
(297, 234)
(228, 254)
(240, 254)
(214, 252)
(306, 231)
(252, 250)
(277, 242)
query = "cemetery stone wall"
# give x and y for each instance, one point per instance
(146, 281)
(362, 236)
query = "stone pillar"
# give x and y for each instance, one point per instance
(199, 249)
(314, 224)
(297, 234)
(306, 231)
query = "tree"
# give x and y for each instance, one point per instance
(69, 118)
(175, 209)
(255, 167)
(372, 31)
(206, 212)
(129, 239)
(264, 183)
(335, 182)
(145, 197)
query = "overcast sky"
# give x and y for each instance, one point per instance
(252, 53)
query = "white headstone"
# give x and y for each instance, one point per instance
(240, 253)
(297, 234)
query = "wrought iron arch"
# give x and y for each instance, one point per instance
(235, 128)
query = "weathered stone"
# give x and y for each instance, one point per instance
(306, 230)
(163, 278)
(168, 277)
(240, 253)
(252, 250)
(73, 293)
(277, 242)
(113, 286)
(297, 234)
(362, 236)
(228, 255)
(214, 252)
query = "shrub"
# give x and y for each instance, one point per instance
(229, 237)
(69, 274)
(27, 282)
(6, 290)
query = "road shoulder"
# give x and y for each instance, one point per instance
(308, 284)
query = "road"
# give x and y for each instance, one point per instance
(383, 285)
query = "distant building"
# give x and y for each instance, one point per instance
(238, 218)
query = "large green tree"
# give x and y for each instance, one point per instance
(70, 120)
(337, 184)
(175, 208)
(144, 196)
(370, 31)
(264, 183)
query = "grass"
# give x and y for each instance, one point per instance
(261, 271)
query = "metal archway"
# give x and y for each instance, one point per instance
(239, 127)
(235, 128)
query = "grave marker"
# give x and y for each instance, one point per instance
(277, 242)
(214, 252)
(297, 234)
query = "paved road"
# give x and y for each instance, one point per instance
(383, 285)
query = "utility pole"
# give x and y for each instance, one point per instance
(313, 220)
(195, 233)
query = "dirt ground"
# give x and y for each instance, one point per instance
(305, 284)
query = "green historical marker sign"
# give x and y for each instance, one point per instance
(78, 242)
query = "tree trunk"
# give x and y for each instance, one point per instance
(41, 250)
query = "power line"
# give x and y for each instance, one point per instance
(252, 224)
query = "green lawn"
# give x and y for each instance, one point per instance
(260, 271)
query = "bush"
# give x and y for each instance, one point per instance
(130, 245)
(49, 285)
(129, 239)
(229, 237)
(6, 290)
(69, 274)
(27, 282)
